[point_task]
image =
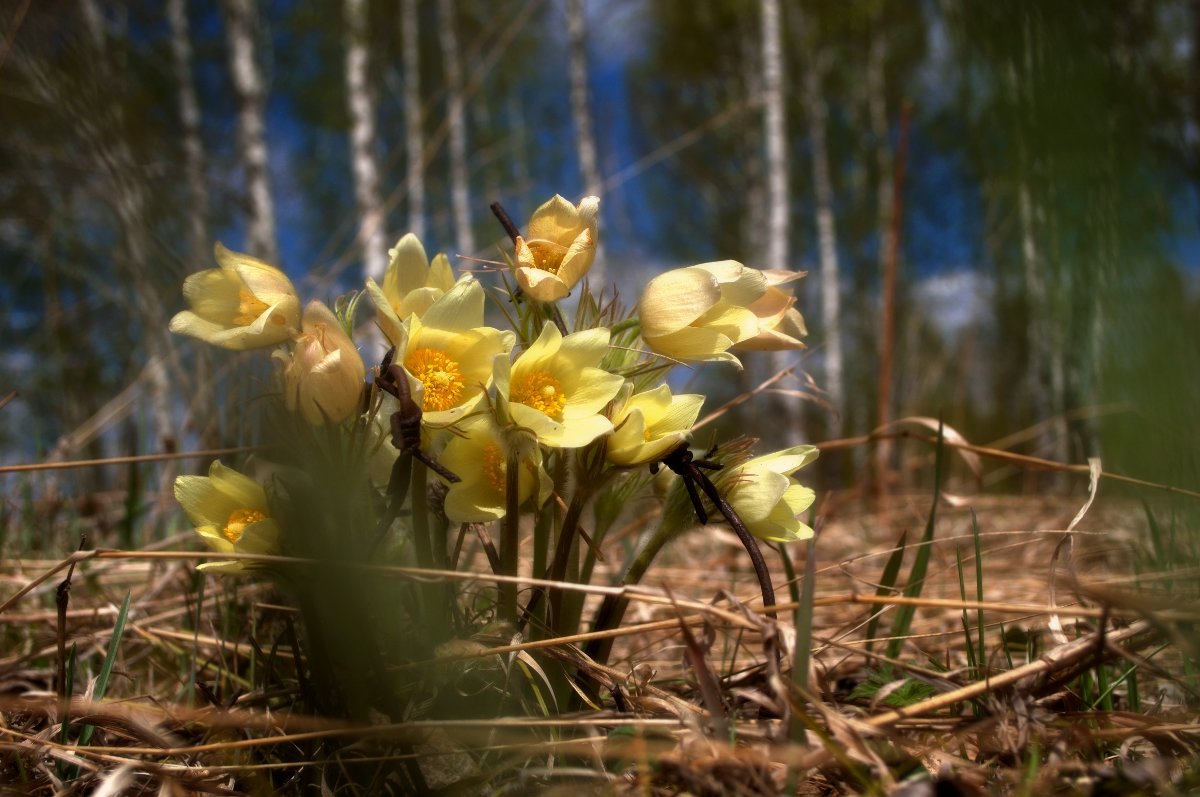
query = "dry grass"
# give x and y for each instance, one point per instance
(208, 691)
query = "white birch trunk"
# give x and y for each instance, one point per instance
(364, 158)
(193, 148)
(774, 124)
(581, 115)
(252, 144)
(414, 140)
(826, 234)
(876, 85)
(754, 228)
(460, 197)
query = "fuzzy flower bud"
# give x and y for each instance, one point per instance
(324, 377)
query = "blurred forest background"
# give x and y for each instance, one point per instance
(1021, 178)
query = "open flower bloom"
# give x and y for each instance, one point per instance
(244, 304)
(230, 512)
(410, 285)
(448, 354)
(766, 497)
(648, 426)
(479, 457)
(559, 250)
(555, 389)
(698, 313)
(324, 377)
(780, 325)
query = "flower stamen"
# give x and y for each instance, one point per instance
(250, 307)
(238, 520)
(441, 377)
(541, 391)
(547, 256)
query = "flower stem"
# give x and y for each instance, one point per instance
(505, 221)
(420, 516)
(510, 536)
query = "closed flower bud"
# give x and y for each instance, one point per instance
(780, 325)
(698, 313)
(323, 380)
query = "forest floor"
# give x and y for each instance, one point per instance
(1083, 681)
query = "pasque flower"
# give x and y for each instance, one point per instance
(649, 425)
(244, 304)
(479, 455)
(410, 285)
(555, 388)
(766, 497)
(780, 325)
(559, 249)
(698, 313)
(230, 512)
(324, 376)
(448, 353)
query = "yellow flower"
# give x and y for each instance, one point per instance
(780, 325)
(650, 425)
(324, 377)
(560, 248)
(448, 354)
(766, 497)
(410, 285)
(555, 389)
(244, 304)
(230, 512)
(478, 456)
(698, 313)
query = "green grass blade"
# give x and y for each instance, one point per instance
(887, 583)
(110, 659)
(902, 623)
(981, 656)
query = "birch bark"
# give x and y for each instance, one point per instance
(363, 155)
(193, 147)
(581, 115)
(414, 140)
(460, 197)
(826, 233)
(252, 144)
(774, 124)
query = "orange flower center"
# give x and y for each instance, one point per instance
(239, 519)
(541, 391)
(547, 256)
(494, 467)
(441, 377)
(250, 307)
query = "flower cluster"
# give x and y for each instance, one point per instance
(495, 406)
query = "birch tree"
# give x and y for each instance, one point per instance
(414, 141)
(581, 115)
(189, 118)
(774, 125)
(886, 230)
(460, 196)
(817, 114)
(581, 112)
(361, 106)
(252, 143)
